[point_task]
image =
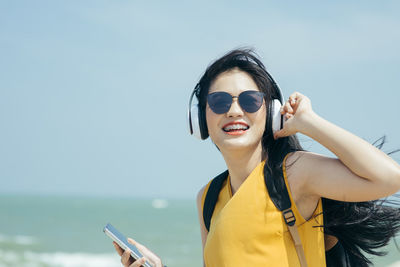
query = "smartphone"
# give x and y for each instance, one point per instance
(122, 241)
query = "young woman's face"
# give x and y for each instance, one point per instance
(235, 129)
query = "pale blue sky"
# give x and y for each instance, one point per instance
(94, 94)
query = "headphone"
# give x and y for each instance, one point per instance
(198, 123)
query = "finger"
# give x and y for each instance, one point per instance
(281, 133)
(118, 248)
(138, 263)
(295, 97)
(282, 109)
(133, 242)
(288, 116)
(140, 247)
(288, 107)
(125, 257)
(278, 134)
(136, 244)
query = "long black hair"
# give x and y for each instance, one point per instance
(361, 227)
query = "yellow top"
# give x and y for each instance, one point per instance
(246, 229)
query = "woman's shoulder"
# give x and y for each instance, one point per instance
(294, 169)
(214, 185)
(200, 194)
(294, 163)
(298, 163)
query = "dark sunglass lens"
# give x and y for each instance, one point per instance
(219, 102)
(251, 101)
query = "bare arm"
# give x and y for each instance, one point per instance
(362, 172)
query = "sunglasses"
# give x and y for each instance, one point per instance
(249, 101)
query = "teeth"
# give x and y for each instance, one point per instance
(235, 127)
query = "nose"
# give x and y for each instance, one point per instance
(235, 110)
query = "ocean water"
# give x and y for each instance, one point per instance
(68, 231)
(42, 231)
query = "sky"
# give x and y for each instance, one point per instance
(94, 94)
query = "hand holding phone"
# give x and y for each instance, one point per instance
(137, 251)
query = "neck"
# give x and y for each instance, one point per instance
(240, 164)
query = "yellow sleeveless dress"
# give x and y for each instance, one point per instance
(246, 229)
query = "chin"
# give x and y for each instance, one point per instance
(237, 144)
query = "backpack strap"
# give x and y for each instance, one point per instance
(212, 197)
(279, 195)
(290, 220)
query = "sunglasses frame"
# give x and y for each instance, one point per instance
(242, 105)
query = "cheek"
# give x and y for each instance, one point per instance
(211, 120)
(261, 127)
(259, 119)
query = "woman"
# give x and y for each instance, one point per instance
(235, 97)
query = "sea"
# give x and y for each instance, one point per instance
(67, 231)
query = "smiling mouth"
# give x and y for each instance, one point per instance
(235, 128)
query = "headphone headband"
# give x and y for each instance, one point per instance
(276, 86)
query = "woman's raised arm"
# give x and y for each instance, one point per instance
(362, 172)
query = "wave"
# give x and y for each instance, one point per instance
(22, 240)
(395, 264)
(159, 203)
(57, 259)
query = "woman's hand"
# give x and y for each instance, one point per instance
(128, 261)
(295, 110)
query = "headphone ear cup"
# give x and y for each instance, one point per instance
(194, 123)
(203, 124)
(276, 116)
